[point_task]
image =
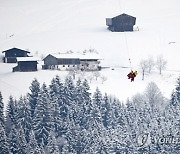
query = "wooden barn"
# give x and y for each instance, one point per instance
(69, 61)
(121, 23)
(57, 61)
(12, 54)
(26, 64)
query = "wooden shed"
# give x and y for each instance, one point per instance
(26, 64)
(12, 54)
(121, 23)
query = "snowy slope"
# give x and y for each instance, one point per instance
(53, 26)
(46, 26)
(17, 83)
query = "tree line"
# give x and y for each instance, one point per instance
(147, 65)
(65, 118)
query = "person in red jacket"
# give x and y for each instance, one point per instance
(132, 75)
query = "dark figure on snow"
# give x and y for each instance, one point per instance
(132, 75)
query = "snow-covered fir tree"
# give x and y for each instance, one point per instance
(56, 89)
(68, 102)
(52, 146)
(96, 108)
(24, 117)
(13, 141)
(17, 141)
(78, 111)
(33, 147)
(177, 89)
(97, 98)
(4, 146)
(82, 103)
(67, 119)
(175, 97)
(75, 138)
(21, 141)
(11, 114)
(33, 95)
(86, 104)
(2, 120)
(173, 113)
(42, 123)
(106, 112)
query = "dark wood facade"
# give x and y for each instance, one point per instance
(70, 61)
(12, 54)
(121, 23)
(25, 66)
(50, 60)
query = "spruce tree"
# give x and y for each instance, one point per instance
(24, 117)
(21, 140)
(131, 125)
(17, 141)
(94, 126)
(173, 113)
(175, 97)
(11, 115)
(106, 112)
(41, 151)
(78, 108)
(83, 103)
(52, 146)
(56, 97)
(43, 116)
(97, 98)
(68, 138)
(69, 91)
(13, 141)
(87, 103)
(33, 95)
(86, 94)
(33, 147)
(65, 149)
(68, 99)
(178, 89)
(2, 121)
(96, 110)
(75, 137)
(4, 147)
(56, 87)
(94, 136)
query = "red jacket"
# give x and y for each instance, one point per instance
(131, 75)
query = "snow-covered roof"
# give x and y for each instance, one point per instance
(65, 55)
(90, 56)
(10, 50)
(76, 56)
(28, 59)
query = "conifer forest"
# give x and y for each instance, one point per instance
(66, 118)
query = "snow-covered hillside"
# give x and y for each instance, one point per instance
(46, 26)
